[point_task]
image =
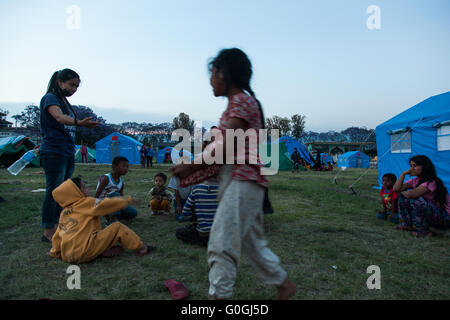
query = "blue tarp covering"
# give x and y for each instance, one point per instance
(354, 159)
(117, 144)
(14, 147)
(10, 140)
(174, 154)
(291, 143)
(422, 121)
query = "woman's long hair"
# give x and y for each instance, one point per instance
(429, 174)
(53, 87)
(237, 70)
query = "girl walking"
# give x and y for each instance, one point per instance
(238, 222)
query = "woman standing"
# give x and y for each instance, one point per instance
(423, 201)
(58, 126)
(238, 221)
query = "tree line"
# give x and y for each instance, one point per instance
(160, 133)
(295, 127)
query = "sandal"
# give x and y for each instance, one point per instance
(177, 290)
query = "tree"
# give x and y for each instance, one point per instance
(360, 134)
(16, 118)
(183, 122)
(90, 136)
(29, 118)
(5, 112)
(282, 124)
(297, 125)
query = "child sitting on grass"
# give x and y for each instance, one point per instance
(160, 196)
(389, 199)
(111, 185)
(79, 237)
(202, 205)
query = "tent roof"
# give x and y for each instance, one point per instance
(167, 147)
(288, 139)
(352, 153)
(11, 142)
(292, 143)
(122, 136)
(429, 109)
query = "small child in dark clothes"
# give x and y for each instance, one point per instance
(389, 199)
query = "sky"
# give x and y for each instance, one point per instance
(146, 61)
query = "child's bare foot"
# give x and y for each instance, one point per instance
(166, 213)
(145, 250)
(286, 290)
(152, 213)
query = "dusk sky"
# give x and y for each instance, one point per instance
(146, 61)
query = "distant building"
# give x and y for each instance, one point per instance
(33, 134)
(3, 122)
(336, 148)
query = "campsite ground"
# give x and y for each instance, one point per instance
(325, 237)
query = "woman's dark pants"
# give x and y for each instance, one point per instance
(57, 169)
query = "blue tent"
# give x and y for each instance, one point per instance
(325, 159)
(174, 154)
(423, 129)
(117, 144)
(291, 143)
(354, 159)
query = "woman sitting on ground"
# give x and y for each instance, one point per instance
(423, 201)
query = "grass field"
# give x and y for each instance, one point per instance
(325, 237)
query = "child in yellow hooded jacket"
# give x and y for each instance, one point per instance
(79, 237)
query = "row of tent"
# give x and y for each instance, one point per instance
(287, 145)
(423, 129)
(117, 144)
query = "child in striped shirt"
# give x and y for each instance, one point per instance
(201, 205)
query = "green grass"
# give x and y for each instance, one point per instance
(316, 225)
